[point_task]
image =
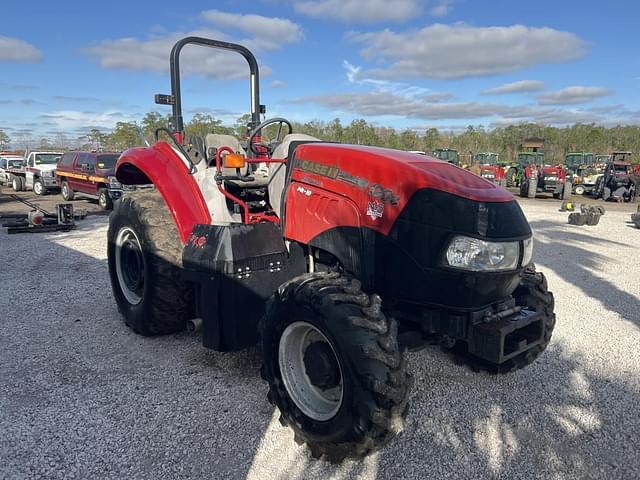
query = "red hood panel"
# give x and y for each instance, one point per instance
(401, 171)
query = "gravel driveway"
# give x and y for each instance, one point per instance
(81, 396)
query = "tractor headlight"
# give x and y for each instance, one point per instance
(114, 183)
(527, 251)
(479, 255)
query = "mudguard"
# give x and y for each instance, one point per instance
(162, 167)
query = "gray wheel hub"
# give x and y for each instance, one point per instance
(311, 371)
(129, 262)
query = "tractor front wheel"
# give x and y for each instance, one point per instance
(334, 368)
(145, 261)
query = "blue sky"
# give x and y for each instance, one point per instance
(68, 66)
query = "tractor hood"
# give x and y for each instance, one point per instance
(390, 216)
(380, 183)
(402, 173)
(551, 170)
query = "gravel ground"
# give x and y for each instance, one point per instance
(81, 396)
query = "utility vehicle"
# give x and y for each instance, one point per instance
(333, 258)
(90, 174)
(581, 170)
(37, 173)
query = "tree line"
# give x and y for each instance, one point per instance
(502, 140)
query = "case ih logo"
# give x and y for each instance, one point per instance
(198, 241)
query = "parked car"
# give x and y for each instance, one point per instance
(9, 162)
(37, 172)
(89, 174)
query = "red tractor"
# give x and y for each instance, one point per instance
(333, 258)
(540, 178)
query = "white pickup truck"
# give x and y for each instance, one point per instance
(37, 173)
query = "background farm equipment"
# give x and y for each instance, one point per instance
(618, 182)
(489, 167)
(447, 154)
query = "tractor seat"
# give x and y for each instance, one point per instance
(278, 171)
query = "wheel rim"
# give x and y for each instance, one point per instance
(65, 191)
(37, 188)
(311, 371)
(102, 200)
(579, 190)
(14, 184)
(129, 262)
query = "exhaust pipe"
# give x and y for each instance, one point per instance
(194, 325)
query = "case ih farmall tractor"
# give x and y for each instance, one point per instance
(335, 259)
(490, 169)
(539, 175)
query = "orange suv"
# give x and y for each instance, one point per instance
(90, 174)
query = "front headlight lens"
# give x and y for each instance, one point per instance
(478, 255)
(114, 183)
(527, 253)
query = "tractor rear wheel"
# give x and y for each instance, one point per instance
(334, 367)
(145, 261)
(534, 294)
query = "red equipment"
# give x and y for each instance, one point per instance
(335, 260)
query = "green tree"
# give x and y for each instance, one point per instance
(95, 139)
(4, 140)
(152, 121)
(202, 124)
(124, 136)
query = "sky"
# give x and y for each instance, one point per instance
(69, 66)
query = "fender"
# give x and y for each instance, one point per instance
(163, 167)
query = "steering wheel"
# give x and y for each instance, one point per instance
(280, 121)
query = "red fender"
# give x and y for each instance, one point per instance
(162, 166)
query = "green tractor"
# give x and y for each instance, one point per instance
(515, 170)
(581, 169)
(447, 154)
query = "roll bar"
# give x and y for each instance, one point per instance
(176, 99)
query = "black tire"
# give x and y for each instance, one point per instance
(17, 183)
(533, 293)
(104, 199)
(38, 187)
(593, 218)
(524, 189)
(578, 218)
(532, 187)
(511, 177)
(580, 190)
(598, 189)
(374, 378)
(166, 300)
(66, 191)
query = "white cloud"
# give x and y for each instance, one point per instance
(398, 88)
(573, 95)
(441, 9)
(361, 11)
(152, 53)
(66, 120)
(379, 104)
(523, 86)
(278, 84)
(16, 50)
(269, 32)
(390, 104)
(457, 51)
